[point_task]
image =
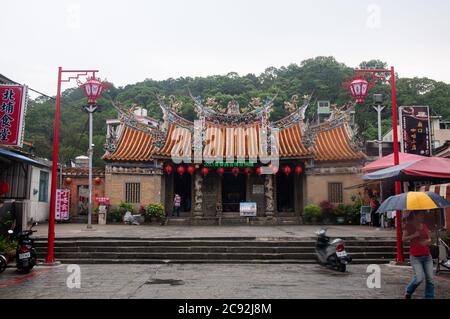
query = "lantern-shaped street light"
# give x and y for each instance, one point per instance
(359, 89)
(92, 89)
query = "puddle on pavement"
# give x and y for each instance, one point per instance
(172, 282)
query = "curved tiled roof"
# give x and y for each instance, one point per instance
(134, 145)
(236, 142)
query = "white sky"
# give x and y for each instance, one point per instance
(129, 41)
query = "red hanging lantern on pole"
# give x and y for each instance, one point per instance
(247, 171)
(204, 171)
(181, 170)
(359, 88)
(220, 171)
(287, 170)
(298, 170)
(92, 89)
(191, 169)
(168, 169)
(235, 171)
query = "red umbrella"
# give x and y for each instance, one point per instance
(388, 161)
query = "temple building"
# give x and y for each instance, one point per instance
(229, 156)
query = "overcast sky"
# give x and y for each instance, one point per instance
(129, 41)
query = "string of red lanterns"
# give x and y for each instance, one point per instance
(287, 170)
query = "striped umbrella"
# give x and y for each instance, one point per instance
(413, 201)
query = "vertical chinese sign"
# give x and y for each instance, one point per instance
(62, 204)
(13, 103)
(415, 123)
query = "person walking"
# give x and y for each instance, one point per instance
(374, 216)
(420, 256)
(176, 205)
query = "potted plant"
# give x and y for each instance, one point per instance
(340, 213)
(312, 213)
(155, 211)
(8, 247)
(327, 209)
(115, 215)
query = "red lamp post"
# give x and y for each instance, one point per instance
(71, 75)
(359, 88)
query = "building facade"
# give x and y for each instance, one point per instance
(227, 157)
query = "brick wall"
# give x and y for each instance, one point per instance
(150, 188)
(317, 186)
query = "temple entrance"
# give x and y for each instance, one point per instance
(285, 193)
(182, 185)
(233, 191)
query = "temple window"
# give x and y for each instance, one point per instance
(133, 192)
(335, 194)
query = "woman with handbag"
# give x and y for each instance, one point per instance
(418, 234)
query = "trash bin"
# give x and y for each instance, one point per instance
(102, 211)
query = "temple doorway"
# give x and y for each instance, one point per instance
(285, 193)
(233, 191)
(183, 187)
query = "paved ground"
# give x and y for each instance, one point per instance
(146, 231)
(211, 281)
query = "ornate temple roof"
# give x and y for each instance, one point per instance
(230, 134)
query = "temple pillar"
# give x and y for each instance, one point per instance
(198, 195)
(269, 195)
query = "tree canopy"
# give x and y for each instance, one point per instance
(320, 76)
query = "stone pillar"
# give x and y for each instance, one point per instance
(219, 198)
(268, 195)
(198, 195)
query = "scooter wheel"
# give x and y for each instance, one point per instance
(2, 265)
(342, 267)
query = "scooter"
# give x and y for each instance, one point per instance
(332, 253)
(26, 256)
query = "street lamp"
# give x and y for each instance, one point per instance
(92, 90)
(359, 88)
(71, 75)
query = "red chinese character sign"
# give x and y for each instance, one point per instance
(62, 204)
(13, 103)
(415, 124)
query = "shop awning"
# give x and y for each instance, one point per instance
(388, 161)
(427, 167)
(19, 158)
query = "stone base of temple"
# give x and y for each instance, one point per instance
(225, 221)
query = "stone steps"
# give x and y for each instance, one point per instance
(208, 250)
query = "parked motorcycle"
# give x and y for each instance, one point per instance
(26, 256)
(331, 253)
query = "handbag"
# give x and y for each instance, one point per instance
(434, 251)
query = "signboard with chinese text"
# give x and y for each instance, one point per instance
(103, 200)
(416, 131)
(13, 103)
(247, 209)
(62, 204)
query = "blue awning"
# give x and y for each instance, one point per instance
(19, 158)
(386, 173)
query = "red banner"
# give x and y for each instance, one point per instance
(62, 204)
(13, 99)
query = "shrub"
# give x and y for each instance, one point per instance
(127, 207)
(312, 211)
(154, 210)
(327, 210)
(115, 215)
(7, 246)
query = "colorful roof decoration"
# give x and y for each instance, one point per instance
(226, 133)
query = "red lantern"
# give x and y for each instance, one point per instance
(274, 169)
(191, 169)
(298, 170)
(247, 170)
(68, 181)
(168, 169)
(204, 171)
(359, 89)
(92, 89)
(258, 170)
(235, 171)
(220, 171)
(98, 180)
(287, 170)
(180, 170)
(4, 188)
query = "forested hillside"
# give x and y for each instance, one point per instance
(322, 76)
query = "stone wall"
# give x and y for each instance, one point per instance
(151, 187)
(317, 186)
